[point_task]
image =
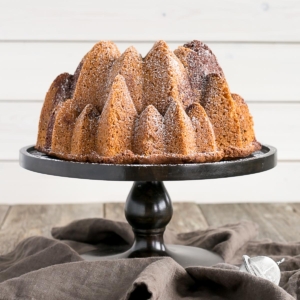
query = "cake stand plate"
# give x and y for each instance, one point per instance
(148, 207)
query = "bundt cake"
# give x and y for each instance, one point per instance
(169, 107)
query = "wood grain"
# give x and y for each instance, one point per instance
(277, 185)
(284, 217)
(19, 122)
(28, 220)
(252, 70)
(4, 209)
(278, 221)
(218, 20)
(296, 207)
(115, 211)
(186, 216)
(221, 214)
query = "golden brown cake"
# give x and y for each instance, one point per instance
(92, 85)
(179, 132)
(130, 66)
(165, 79)
(169, 107)
(148, 137)
(204, 132)
(116, 124)
(221, 110)
(58, 92)
(63, 128)
(84, 132)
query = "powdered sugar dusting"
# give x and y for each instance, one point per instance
(207, 58)
(149, 133)
(165, 79)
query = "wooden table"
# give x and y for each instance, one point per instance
(279, 222)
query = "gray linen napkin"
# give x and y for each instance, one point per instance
(41, 268)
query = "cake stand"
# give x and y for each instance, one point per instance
(148, 207)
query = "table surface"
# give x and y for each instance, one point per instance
(279, 222)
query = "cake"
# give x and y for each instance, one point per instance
(168, 107)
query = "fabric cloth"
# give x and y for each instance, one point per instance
(42, 268)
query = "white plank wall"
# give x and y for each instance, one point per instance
(173, 20)
(259, 72)
(256, 42)
(21, 186)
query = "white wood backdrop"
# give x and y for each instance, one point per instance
(257, 44)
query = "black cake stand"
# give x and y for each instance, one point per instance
(148, 206)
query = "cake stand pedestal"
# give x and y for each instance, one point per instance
(148, 206)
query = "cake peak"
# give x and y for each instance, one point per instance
(116, 122)
(206, 56)
(119, 92)
(91, 87)
(132, 50)
(150, 109)
(160, 45)
(165, 78)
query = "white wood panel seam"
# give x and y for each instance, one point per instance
(151, 41)
(8, 101)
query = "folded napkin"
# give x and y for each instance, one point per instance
(41, 268)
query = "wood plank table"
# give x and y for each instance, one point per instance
(279, 222)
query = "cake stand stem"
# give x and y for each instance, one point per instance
(148, 210)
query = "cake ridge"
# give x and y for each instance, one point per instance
(92, 79)
(63, 127)
(165, 79)
(116, 123)
(179, 132)
(59, 91)
(245, 119)
(208, 59)
(204, 133)
(84, 132)
(149, 132)
(130, 66)
(221, 110)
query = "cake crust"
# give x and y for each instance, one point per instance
(165, 79)
(148, 137)
(179, 133)
(91, 87)
(85, 131)
(59, 91)
(130, 66)
(116, 124)
(63, 128)
(204, 133)
(221, 110)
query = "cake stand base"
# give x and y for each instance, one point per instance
(148, 210)
(185, 256)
